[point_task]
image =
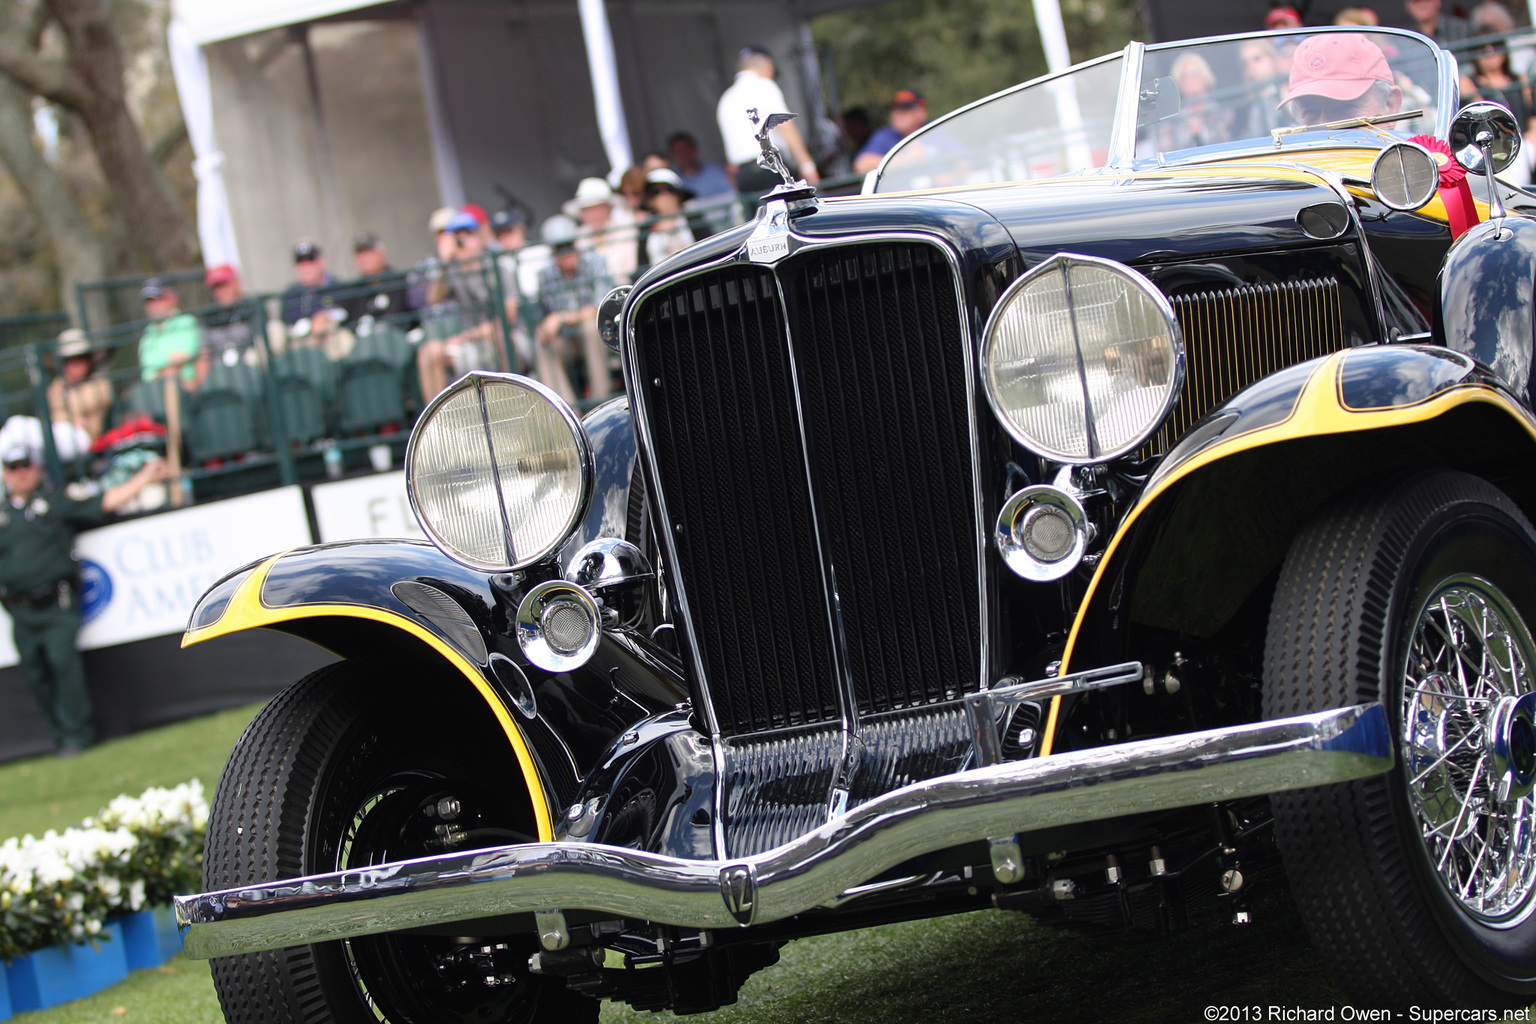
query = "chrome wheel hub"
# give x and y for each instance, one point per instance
(1469, 742)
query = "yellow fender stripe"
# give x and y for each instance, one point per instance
(246, 611)
(1319, 410)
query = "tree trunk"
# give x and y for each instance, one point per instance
(95, 62)
(77, 250)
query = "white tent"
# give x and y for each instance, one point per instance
(326, 117)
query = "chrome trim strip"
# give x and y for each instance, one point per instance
(1016, 797)
(1122, 135)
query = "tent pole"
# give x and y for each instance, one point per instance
(603, 67)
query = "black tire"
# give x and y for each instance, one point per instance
(338, 771)
(1381, 584)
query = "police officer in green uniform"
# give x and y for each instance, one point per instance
(38, 585)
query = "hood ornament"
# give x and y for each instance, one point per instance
(771, 240)
(770, 158)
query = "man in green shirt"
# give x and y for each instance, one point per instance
(38, 588)
(173, 340)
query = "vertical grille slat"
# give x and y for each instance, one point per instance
(894, 477)
(1235, 336)
(842, 434)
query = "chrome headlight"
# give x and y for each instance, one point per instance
(498, 471)
(1083, 359)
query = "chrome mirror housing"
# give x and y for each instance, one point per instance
(1484, 134)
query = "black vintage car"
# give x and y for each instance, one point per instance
(1125, 500)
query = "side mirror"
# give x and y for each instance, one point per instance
(1485, 134)
(1484, 139)
(1159, 101)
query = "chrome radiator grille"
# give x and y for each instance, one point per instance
(810, 432)
(1235, 336)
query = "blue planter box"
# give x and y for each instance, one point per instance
(5, 997)
(150, 937)
(62, 974)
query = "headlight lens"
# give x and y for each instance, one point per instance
(1083, 359)
(498, 471)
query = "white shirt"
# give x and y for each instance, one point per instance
(737, 130)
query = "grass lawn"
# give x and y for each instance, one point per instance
(985, 967)
(49, 792)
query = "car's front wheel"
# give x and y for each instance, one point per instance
(344, 769)
(1418, 886)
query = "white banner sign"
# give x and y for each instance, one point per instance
(365, 508)
(141, 577)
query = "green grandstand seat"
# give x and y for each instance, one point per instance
(386, 342)
(237, 377)
(148, 397)
(222, 425)
(368, 394)
(304, 384)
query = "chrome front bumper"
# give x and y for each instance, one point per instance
(814, 870)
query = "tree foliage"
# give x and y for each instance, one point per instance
(956, 51)
(101, 203)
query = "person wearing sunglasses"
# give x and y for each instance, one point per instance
(38, 585)
(1338, 76)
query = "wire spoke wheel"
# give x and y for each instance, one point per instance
(1419, 885)
(1467, 746)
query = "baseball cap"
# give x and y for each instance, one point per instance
(462, 221)
(1282, 15)
(559, 231)
(152, 288)
(905, 99)
(438, 222)
(73, 342)
(476, 211)
(16, 455)
(305, 250)
(221, 273)
(1336, 66)
(501, 220)
(364, 241)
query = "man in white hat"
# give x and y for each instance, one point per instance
(78, 394)
(608, 228)
(38, 587)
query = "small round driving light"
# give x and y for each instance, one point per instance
(1405, 176)
(498, 471)
(558, 625)
(1042, 533)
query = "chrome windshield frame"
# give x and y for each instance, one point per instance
(1122, 144)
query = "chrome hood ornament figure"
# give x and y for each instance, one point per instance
(770, 158)
(771, 239)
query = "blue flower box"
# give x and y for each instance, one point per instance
(5, 997)
(62, 974)
(150, 937)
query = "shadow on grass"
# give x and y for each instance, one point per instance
(996, 966)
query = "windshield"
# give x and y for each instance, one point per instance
(1194, 100)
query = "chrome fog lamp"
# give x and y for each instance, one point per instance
(1042, 533)
(558, 624)
(498, 471)
(1083, 359)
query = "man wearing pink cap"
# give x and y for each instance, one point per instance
(1339, 75)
